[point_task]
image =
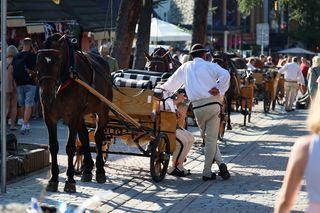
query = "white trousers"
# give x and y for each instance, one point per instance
(184, 143)
(208, 121)
(291, 89)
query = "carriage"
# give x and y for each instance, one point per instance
(266, 87)
(136, 119)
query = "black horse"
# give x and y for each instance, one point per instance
(63, 98)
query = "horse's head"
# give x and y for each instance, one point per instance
(161, 61)
(52, 65)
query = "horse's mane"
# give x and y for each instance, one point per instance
(54, 37)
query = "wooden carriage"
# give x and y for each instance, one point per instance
(136, 119)
(266, 87)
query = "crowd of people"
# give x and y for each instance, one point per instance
(21, 99)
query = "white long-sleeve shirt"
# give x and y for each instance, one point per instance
(292, 72)
(198, 77)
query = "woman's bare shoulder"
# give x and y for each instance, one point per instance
(301, 145)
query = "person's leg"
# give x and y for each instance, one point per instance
(208, 121)
(13, 110)
(294, 91)
(29, 100)
(287, 95)
(218, 157)
(187, 140)
(21, 103)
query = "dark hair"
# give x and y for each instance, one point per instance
(197, 54)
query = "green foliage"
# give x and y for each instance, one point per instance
(245, 6)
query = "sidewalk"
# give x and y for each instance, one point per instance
(256, 156)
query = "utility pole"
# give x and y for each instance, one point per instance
(3, 96)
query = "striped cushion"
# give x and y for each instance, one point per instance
(132, 83)
(140, 75)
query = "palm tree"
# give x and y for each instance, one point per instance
(199, 25)
(125, 29)
(143, 35)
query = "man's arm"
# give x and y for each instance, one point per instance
(175, 81)
(224, 79)
(283, 69)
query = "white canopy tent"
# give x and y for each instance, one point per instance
(165, 31)
(297, 50)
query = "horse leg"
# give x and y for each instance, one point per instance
(54, 148)
(70, 184)
(99, 137)
(229, 106)
(88, 162)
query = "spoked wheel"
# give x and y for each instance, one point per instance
(78, 162)
(267, 101)
(160, 156)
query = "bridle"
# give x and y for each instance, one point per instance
(36, 73)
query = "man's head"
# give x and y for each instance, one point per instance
(105, 49)
(27, 44)
(303, 60)
(295, 59)
(197, 50)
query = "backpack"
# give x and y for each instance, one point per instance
(20, 74)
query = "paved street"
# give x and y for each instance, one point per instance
(256, 155)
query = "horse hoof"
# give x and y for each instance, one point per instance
(52, 187)
(70, 187)
(86, 177)
(101, 178)
(229, 128)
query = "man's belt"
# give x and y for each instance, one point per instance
(291, 81)
(208, 104)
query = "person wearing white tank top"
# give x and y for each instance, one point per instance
(303, 162)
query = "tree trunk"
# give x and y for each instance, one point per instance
(143, 37)
(126, 24)
(199, 25)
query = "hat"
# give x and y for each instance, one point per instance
(198, 48)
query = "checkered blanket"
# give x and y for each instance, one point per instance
(138, 78)
(132, 83)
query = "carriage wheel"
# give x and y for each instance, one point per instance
(160, 156)
(267, 101)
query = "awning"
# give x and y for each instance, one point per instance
(35, 28)
(297, 50)
(16, 21)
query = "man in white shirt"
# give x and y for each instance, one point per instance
(200, 80)
(293, 77)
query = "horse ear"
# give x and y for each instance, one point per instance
(148, 57)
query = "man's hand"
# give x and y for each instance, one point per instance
(214, 91)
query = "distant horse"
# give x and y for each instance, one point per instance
(63, 98)
(229, 62)
(161, 61)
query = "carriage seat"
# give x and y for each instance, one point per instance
(132, 83)
(126, 77)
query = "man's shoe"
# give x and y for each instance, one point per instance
(213, 177)
(224, 173)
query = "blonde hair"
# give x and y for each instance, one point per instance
(314, 115)
(12, 51)
(316, 61)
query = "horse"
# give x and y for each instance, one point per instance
(161, 60)
(63, 98)
(229, 62)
